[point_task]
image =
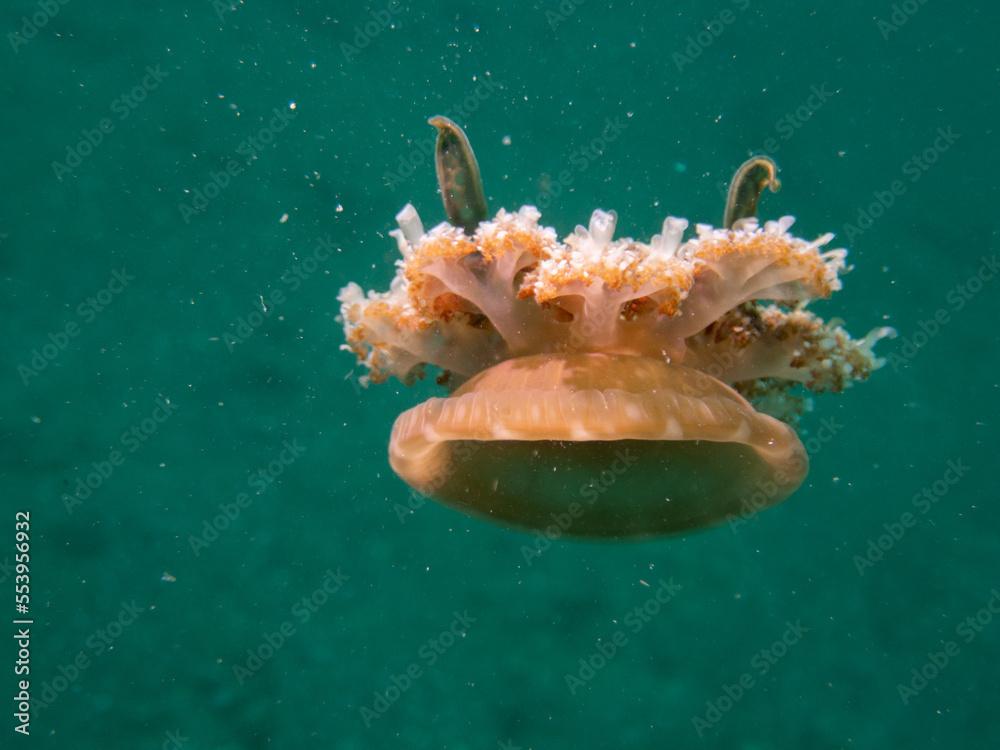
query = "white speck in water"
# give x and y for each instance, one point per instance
(283, 219)
(506, 140)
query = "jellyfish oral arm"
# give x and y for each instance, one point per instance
(490, 289)
(392, 339)
(512, 289)
(754, 343)
(750, 263)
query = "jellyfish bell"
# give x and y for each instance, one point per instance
(614, 388)
(599, 445)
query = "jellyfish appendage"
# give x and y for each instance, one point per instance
(464, 303)
(746, 187)
(458, 176)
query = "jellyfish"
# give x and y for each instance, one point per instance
(612, 388)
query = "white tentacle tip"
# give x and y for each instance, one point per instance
(781, 226)
(667, 243)
(602, 226)
(411, 228)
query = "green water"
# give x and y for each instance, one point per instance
(245, 573)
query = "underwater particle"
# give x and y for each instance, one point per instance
(598, 380)
(506, 140)
(283, 219)
(168, 577)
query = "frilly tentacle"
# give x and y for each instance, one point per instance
(462, 302)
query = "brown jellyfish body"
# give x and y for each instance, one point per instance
(604, 445)
(612, 388)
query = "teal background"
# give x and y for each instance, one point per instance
(166, 679)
